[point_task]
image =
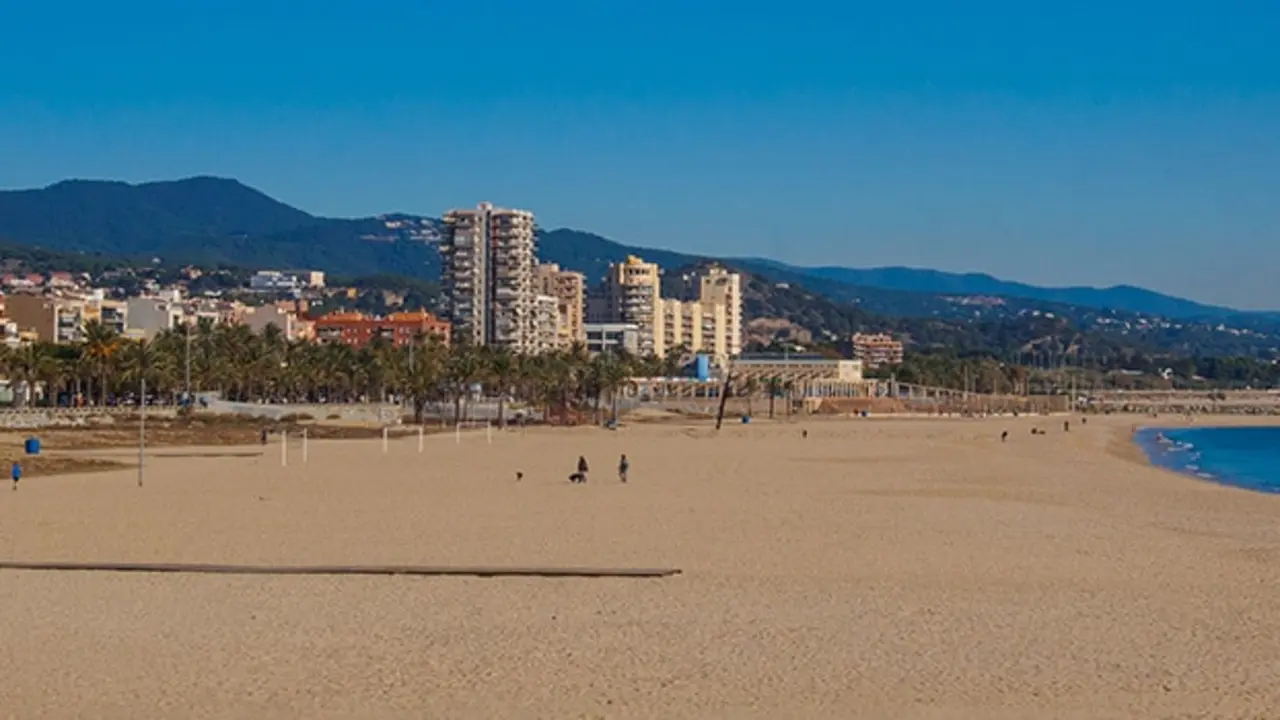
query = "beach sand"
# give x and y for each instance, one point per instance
(880, 568)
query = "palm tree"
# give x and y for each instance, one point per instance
(501, 368)
(774, 386)
(99, 349)
(750, 388)
(462, 371)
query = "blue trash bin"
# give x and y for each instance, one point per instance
(33, 446)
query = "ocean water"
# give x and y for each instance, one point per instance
(1246, 457)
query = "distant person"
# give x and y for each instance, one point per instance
(804, 434)
(623, 467)
(1066, 426)
(1004, 436)
(16, 473)
(263, 436)
(519, 476)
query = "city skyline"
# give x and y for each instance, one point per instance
(1073, 146)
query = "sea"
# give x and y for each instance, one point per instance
(1245, 457)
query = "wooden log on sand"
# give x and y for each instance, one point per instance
(414, 570)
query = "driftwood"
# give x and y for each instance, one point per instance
(417, 570)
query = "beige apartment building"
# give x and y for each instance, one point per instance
(723, 289)
(876, 349)
(546, 324)
(488, 259)
(633, 296)
(570, 290)
(710, 324)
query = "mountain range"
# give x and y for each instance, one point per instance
(222, 221)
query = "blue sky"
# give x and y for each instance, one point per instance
(1073, 143)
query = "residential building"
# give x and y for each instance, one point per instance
(876, 349)
(11, 336)
(546, 324)
(113, 314)
(632, 291)
(274, 281)
(722, 288)
(607, 337)
(358, 329)
(569, 288)
(487, 269)
(258, 319)
(146, 317)
(35, 313)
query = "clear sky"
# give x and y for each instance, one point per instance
(1056, 143)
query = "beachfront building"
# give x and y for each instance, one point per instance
(876, 349)
(569, 289)
(546, 324)
(488, 258)
(806, 375)
(146, 317)
(612, 337)
(357, 329)
(720, 293)
(632, 296)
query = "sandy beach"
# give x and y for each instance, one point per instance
(879, 568)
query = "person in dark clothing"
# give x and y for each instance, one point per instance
(264, 436)
(623, 467)
(804, 433)
(582, 469)
(1004, 436)
(1066, 426)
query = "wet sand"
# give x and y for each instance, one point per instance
(881, 568)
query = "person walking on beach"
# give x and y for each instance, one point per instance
(16, 472)
(1066, 426)
(1004, 436)
(582, 468)
(623, 467)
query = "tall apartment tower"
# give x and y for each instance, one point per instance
(633, 295)
(487, 267)
(569, 289)
(723, 288)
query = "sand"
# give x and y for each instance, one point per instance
(880, 568)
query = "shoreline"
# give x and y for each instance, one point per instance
(1136, 450)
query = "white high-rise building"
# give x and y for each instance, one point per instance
(487, 268)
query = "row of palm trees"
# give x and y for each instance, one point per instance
(240, 365)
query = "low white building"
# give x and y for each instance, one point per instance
(602, 337)
(149, 316)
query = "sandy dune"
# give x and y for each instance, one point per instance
(882, 568)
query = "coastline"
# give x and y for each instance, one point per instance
(1143, 446)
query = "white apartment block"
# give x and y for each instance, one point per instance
(546, 324)
(488, 259)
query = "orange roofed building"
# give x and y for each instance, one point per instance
(357, 329)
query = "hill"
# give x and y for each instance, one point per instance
(210, 220)
(1120, 297)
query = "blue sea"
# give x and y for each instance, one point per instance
(1246, 457)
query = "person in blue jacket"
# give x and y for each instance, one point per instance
(16, 473)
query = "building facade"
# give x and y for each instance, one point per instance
(723, 289)
(570, 291)
(399, 329)
(546, 324)
(633, 295)
(876, 349)
(488, 258)
(612, 337)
